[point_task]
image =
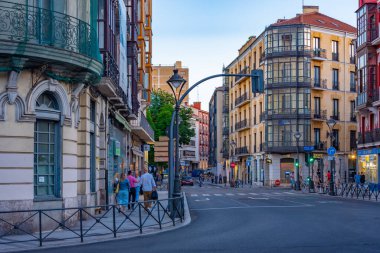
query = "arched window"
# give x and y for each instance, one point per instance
(47, 155)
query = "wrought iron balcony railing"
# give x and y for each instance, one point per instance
(335, 85)
(243, 71)
(319, 83)
(35, 26)
(322, 145)
(369, 137)
(143, 128)
(241, 124)
(241, 150)
(319, 53)
(335, 116)
(335, 56)
(319, 114)
(243, 98)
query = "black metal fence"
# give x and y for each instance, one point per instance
(362, 191)
(49, 225)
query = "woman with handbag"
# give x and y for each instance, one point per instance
(123, 192)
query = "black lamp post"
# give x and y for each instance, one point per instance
(175, 81)
(297, 135)
(331, 123)
(233, 146)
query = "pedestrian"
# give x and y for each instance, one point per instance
(138, 185)
(123, 192)
(148, 185)
(220, 178)
(362, 178)
(357, 178)
(116, 187)
(328, 176)
(292, 180)
(132, 190)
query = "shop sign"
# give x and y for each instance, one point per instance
(317, 156)
(269, 161)
(369, 151)
(117, 148)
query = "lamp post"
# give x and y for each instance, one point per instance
(175, 81)
(331, 123)
(297, 135)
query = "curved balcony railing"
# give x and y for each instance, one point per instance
(42, 27)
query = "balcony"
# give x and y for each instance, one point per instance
(288, 113)
(142, 128)
(243, 71)
(335, 116)
(335, 86)
(369, 137)
(288, 82)
(41, 36)
(319, 115)
(226, 109)
(319, 54)
(241, 151)
(321, 146)
(352, 117)
(288, 50)
(319, 84)
(335, 56)
(242, 100)
(289, 146)
(352, 87)
(242, 125)
(368, 98)
(352, 59)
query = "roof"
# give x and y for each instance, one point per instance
(317, 19)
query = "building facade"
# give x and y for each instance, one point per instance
(308, 66)
(203, 123)
(67, 106)
(368, 100)
(215, 159)
(162, 73)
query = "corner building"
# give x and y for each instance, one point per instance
(309, 76)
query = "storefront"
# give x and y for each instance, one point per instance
(368, 164)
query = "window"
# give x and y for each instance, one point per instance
(317, 138)
(92, 146)
(335, 79)
(352, 53)
(46, 148)
(335, 109)
(352, 140)
(317, 76)
(352, 82)
(316, 43)
(362, 25)
(352, 111)
(334, 50)
(317, 107)
(335, 133)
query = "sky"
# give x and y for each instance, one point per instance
(207, 34)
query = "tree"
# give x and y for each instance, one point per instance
(159, 115)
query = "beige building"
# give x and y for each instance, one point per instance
(308, 68)
(162, 73)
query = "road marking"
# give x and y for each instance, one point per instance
(289, 192)
(242, 194)
(230, 194)
(218, 194)
(254, 194)
(206, 195)
(258, 198)
(278, 193)
(206, 199)
(194, 195)
(247, 207)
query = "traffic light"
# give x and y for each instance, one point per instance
(296, 163)
(311, 159)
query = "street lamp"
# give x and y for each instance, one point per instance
(175, 81)
(331, 123)
(297, 135)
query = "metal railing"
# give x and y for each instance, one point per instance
(245, 70)
(241, 99)
(42, 225)
(319, 53)
(241, 124)
(38, 26)
(319, 114)
(319, 83)
(352, 190)
(335, 56)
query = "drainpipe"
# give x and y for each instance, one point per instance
(344, 107)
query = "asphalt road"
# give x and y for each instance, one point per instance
(260, 220)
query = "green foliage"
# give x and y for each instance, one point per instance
(159, 115)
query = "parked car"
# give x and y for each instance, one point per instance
(187, 181)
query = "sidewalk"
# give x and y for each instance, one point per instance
(100, 228)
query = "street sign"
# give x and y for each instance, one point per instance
(247, 163)
(232, 165)
(308, 148)
(331, 151)
(331, 158)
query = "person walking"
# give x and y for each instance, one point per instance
(116, 187)
(357, 178)
(132, 190)
(123, 192)
(148, 185)
(362, 178)
(138, 186)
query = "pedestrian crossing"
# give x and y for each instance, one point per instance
(242, 194)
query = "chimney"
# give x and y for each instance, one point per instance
(310, 9)
(197, 105)
(178, 64)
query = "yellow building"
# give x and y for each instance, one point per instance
(308, 65)
(162, 73)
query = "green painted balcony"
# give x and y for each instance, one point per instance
(67, 46)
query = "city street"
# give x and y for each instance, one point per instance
(260, 220)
